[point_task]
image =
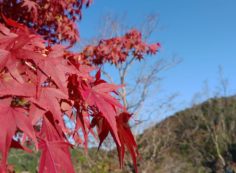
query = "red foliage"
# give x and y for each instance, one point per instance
(47, 17)
(116, 50)
(41, 83)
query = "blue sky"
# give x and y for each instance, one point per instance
(201, 32)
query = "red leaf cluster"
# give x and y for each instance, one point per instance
(36, 84)
(116, 50)
(47, 17)
(41, 84)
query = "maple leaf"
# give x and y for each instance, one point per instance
(126, 138)
(124, 132)
(32, 6)
(103, 128)
(55, 157)
(11, 119)
(99, 96)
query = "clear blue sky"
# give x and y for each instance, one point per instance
(201, 32)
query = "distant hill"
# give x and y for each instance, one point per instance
(201, 139)
(197, 140)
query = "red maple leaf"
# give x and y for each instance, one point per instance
(11, 119)
(103, 128)
(55, 157)
(32, 7)
(126, 138)
(124, 132)
(99, 96)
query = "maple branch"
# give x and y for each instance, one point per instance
(122, 74)
(109, 77)
(149, 80)
(149, 25)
